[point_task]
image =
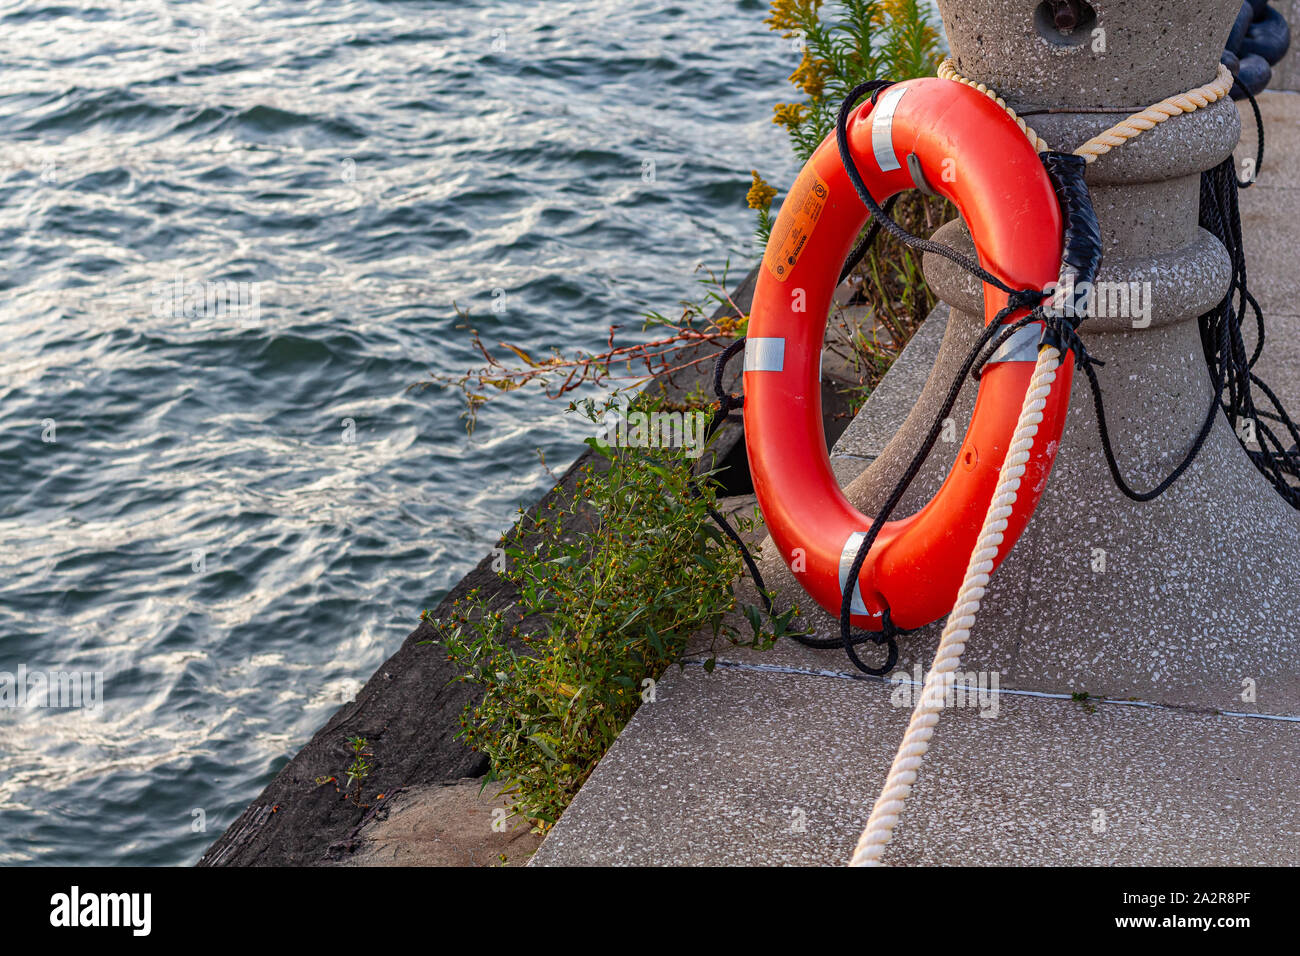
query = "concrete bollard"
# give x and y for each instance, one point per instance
(1192, 599)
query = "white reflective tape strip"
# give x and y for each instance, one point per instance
(847, 555)
(1021, 347)
(882, 128)
(764, 355)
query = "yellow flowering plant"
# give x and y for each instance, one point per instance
(844, 44)
(862, 40)
(760, 198)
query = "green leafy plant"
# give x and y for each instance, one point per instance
(620, 578)
(861, 40)
(361, 766)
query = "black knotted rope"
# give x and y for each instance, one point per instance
(1223, 344)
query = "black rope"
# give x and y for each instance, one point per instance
(1018, 299)
(1223, 344)
(865, 244)
(847, 639)
(882, 218)
(1259, 146)
(1108, 450)
(726, 401)
(1223, 341)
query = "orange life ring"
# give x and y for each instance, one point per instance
(964, 147)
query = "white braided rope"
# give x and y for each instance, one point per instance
(925, 717)
(907, 762)
(1138, 123)
(1122, 131)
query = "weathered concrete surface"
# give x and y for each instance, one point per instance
(753, 767)
(1152, 50)
(454, 824)
(714, 769)
(1268, 213)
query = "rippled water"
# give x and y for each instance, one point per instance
(237, 517)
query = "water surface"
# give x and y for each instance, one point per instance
(236, 520)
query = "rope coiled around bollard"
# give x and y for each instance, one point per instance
(907, 761)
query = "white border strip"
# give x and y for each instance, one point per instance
(764, 355)
(882, 128)
(847, 554)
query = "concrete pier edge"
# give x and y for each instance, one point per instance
(409, 713)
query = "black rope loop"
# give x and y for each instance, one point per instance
(879, 215)
(888, 635)
(726, 401)
(991, 332)
(845, 639)
(1259, 148)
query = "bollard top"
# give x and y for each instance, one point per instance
(1118, 55)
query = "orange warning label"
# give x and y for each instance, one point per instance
(799, 215)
